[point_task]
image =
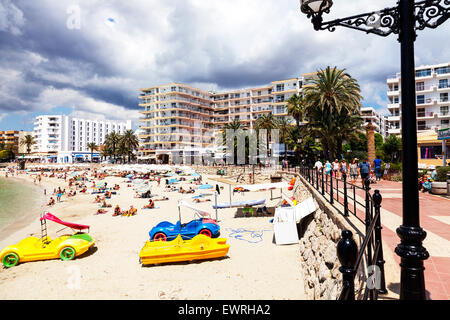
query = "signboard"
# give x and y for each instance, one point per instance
(443, 134)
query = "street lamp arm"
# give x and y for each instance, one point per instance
(381, 23)
(429, 14)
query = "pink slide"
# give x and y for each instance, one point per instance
(49, 216)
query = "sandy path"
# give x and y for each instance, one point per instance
(251, 271)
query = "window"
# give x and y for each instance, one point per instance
(442, 70)
(421, 125)
(443, 83)
(423, 73)
(444, 110)
(421, 99)
(445, 124)
(432, 152)
(444, 97)
(420, 86)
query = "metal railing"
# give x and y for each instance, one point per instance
(339, 191)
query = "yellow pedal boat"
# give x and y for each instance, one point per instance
(200, 247)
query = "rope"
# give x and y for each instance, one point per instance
(239, 234)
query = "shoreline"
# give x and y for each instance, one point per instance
(26, 219)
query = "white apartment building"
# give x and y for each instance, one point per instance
(432, 99)
(64, 139)
(369, 114)
(178, 118)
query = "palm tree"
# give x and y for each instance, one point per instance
(28, 141)
(267, 122)
(296, 109)
(112, 141)
(285, 127)
(332, 103)
(92, 146)
(129, 141)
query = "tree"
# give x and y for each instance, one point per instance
(284, 126)
(392, 148)
(332, 104)
(28, 141)
(296, 109)
(112, 141)
(267, 122)
(93, 147)
(129, 141)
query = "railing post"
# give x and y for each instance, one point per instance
(323, 184)
(344, 176)
(347, 252)
(368, 220)
(377, 198)
(331, 188)
(317, 178)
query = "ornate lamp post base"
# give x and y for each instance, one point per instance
(412, 255)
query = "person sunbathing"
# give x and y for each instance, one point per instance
(162, 199)
(150, 205)
(98, 199)
(197, 200)
(101, 211)
(117, 211)
(132, 210)
(51, 202)
(106, 205)
(181, 190)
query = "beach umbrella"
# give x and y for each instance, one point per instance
(173, 181)
(195, 174)
(206, 186)
(130, 175)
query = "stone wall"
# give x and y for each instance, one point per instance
(319, 234)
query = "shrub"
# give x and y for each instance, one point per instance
(395, 167)
(441, 174)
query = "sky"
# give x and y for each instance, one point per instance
(89, 58)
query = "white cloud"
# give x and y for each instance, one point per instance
(11, 18)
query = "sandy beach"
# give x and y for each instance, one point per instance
(251, 270)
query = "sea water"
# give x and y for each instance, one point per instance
(17, 200)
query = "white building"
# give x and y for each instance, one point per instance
(65, 139)
(432, 99)
(379, 121)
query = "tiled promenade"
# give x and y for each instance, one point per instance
(434, 219)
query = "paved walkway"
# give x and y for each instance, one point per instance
(434, 219)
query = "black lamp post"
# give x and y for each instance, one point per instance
(404, 19)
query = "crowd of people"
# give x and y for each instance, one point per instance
(354, 169)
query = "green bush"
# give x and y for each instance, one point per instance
(441, 174)
(395, 167)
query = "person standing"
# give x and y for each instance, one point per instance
(318, 165)
(327, 167)
(344, 168)
(336, 168)
(354, 170)
(364, 170)
(377, 165)
(386, 171)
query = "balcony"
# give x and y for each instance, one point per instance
(426, 114)
(394, 131)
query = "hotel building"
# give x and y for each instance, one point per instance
(10, 140)
(432, 107)
(178, 118)
(64, 139)
(432, 99)
(379, 121)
